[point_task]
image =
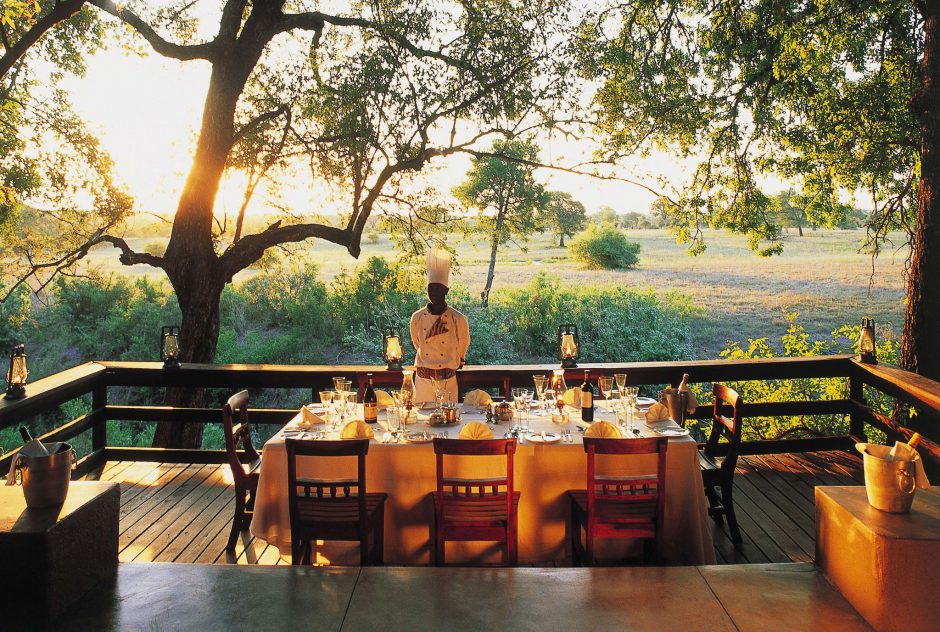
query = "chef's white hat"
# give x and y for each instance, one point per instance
(438, 266)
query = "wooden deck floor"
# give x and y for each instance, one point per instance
(182, 513)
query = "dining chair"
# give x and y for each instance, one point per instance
(619, 507)
(475, 509)
(238, 436)
(718, 475)
(334, 509)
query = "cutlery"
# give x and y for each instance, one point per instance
(636, 433)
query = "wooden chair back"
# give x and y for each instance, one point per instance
(237, 435)
(605, 492)
(307, 492)
(466, 488)
(724, 426)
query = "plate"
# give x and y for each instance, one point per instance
(418, 437)
(536, 437)
(672, 432)
(645, 401)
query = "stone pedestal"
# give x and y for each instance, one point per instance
(50, 557)
(886, 565)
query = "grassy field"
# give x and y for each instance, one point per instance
(821, 275)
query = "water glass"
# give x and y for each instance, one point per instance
(606, 384)
(540, 382)
(326, 398)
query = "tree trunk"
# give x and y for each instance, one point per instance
(190, 261)
(494, 246)
(920, 348)
(561, 240)
(799, 227)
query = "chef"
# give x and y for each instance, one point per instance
(440, 334)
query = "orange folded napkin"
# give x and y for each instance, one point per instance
(309, 418)
(476, 430)
(384, 399)
(603, 430)
(477, 397)
(357, 430)
(656, 413)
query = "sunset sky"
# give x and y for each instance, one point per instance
(146, 111)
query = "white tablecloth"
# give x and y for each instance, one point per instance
(406, 472)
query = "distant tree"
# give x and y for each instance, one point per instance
(506, 196)
(564, 215)
(605, 215)
(604, 246)
(632, 220)
(790, 215)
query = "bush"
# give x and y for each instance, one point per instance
(604, 248)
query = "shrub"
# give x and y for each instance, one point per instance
(604, 248)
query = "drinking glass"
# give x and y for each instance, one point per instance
(518, 400)
(631, 392)
(440, 387)
(326, 398)
(393, 421)
(338, 383)
(526, 405)
(606, 384)
(540, 382)
(621, 380)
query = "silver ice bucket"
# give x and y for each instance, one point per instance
(45, 479)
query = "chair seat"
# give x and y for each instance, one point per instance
(474, 510)
(640, 512)
(343, 510)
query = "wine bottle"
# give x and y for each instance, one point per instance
(904, 451)
(587, 399)
(24, 432)
(370, 404)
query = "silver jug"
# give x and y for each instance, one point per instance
(45, 479)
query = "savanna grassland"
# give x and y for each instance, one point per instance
(823, 276)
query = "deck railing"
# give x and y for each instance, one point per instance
(97, 378)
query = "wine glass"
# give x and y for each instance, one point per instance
(621, 380)
(540, 382)
(632, 392)
(518, 400)
(606, 384)
(440, 387)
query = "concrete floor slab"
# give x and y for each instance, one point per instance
(768, 597)
(456, 599)
(202, 597)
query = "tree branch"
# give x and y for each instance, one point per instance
(60, 12)
(256, 122)
(206, 50)
(250, 248)
(315, 21)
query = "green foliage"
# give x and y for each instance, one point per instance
(604, 247)
(14, 317)
(819, 95)
(796, 342)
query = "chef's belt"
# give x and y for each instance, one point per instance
(426, 373)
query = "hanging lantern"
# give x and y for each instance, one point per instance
(866, 342)
(16, 374)
(393, 350)
(170, 347)
(568, 345)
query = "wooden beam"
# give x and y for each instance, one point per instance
(910, 388)
(236, 376)
(62, 433)
(49, 392)
(791, 446)
(168, 455)
(279, 416)
(89, 463)
(928, 446)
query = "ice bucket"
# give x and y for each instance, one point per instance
(890, 485)
(677, 402)
(46, 478)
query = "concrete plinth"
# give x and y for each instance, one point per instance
(886, 565)
(51, 557)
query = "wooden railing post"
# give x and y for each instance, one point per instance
(856, 421)
(99, 432)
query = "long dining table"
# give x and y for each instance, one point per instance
(406, 471)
